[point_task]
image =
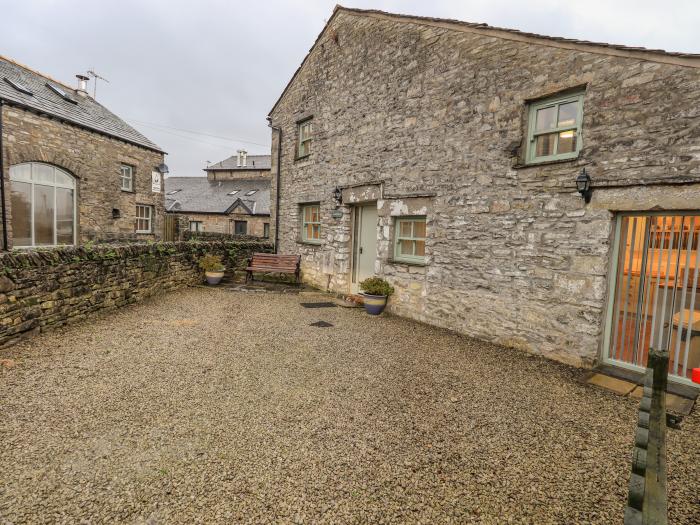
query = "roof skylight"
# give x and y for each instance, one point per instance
(61, 93)
(249, 193)
(173, 192)
(19, 86)
(233, 192)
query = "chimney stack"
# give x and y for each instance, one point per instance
(82, 85)
(245, 158)
(238, 162)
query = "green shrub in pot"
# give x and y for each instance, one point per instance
(376, 291)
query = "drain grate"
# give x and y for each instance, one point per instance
(321, 324)
(319, 305)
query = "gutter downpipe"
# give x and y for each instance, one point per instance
(277, 193)
(2, 183)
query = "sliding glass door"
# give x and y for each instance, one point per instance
(655, 300)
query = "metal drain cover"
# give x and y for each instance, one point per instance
(319, 305)
(321, 324)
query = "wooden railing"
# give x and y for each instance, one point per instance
(647, 503)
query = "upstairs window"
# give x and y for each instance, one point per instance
(409, 238)
(554, 128)
(127, 177)
(311, 223)
(304, 131)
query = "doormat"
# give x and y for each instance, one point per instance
(321, 324)
(319, 305)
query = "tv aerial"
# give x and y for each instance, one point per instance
(91, 72)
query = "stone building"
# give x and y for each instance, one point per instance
(444, 156)
(240, 166)
(72, 171)
(234, 207)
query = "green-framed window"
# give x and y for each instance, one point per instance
(311, 223)
(409, 239)
(554, 128)
(305, 131)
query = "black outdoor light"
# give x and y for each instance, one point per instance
(338, 196)
(583, 185)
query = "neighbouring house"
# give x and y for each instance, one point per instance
(234, 198)
(447, 157)
(234, 207)
(72, 171)
(240, 166)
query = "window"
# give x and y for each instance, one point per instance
(61, 93)
(240, 227)
(304, 130)
(144, 218)
(251, 192)
(410, 239)
(554, 128)
(127, 177)
(266, 230)
(19, 86)
(311, 223)
(233, 192)
(173, 192)
(43, 205)
(196, 226)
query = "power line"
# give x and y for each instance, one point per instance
(153, 124)
(185, 137)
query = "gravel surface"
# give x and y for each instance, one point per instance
(210, 405)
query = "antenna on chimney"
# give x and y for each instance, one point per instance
(97, 77)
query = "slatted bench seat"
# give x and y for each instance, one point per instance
(273, 263)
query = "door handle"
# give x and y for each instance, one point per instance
(360, 250)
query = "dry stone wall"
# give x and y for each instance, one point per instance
(43, 289)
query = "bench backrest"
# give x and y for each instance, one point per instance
(271, 260)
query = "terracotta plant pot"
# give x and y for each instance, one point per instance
(214, 277)
(374, 304)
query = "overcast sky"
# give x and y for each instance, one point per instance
(215, 68)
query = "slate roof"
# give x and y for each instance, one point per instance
(200, 195)
(254, 162)
(687, 59)
(86, 112)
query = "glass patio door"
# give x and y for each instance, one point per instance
(656, 299)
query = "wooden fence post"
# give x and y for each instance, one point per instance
(647, 500)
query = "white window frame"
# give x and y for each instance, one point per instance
(149, 218)
(126, 173)
(54, 185)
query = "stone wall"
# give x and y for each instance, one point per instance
(238, 174)
(432, 116)
(43, 289)
(94, 160)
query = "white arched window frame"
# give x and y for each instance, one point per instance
(43, 205)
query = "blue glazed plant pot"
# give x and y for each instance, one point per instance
(214, 277)
(374, 304)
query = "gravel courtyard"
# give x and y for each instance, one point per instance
(209, 405)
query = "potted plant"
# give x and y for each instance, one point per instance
(376, 292)
(213, 268)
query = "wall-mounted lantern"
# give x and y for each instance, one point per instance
(583, 185)
(337, 196)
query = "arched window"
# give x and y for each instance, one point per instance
(43, 205)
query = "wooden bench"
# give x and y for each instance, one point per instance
(273, 263)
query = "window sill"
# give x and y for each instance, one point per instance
(303, 157)
(546, 162)
(128, 191)
(408, 263)
(310, 243)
